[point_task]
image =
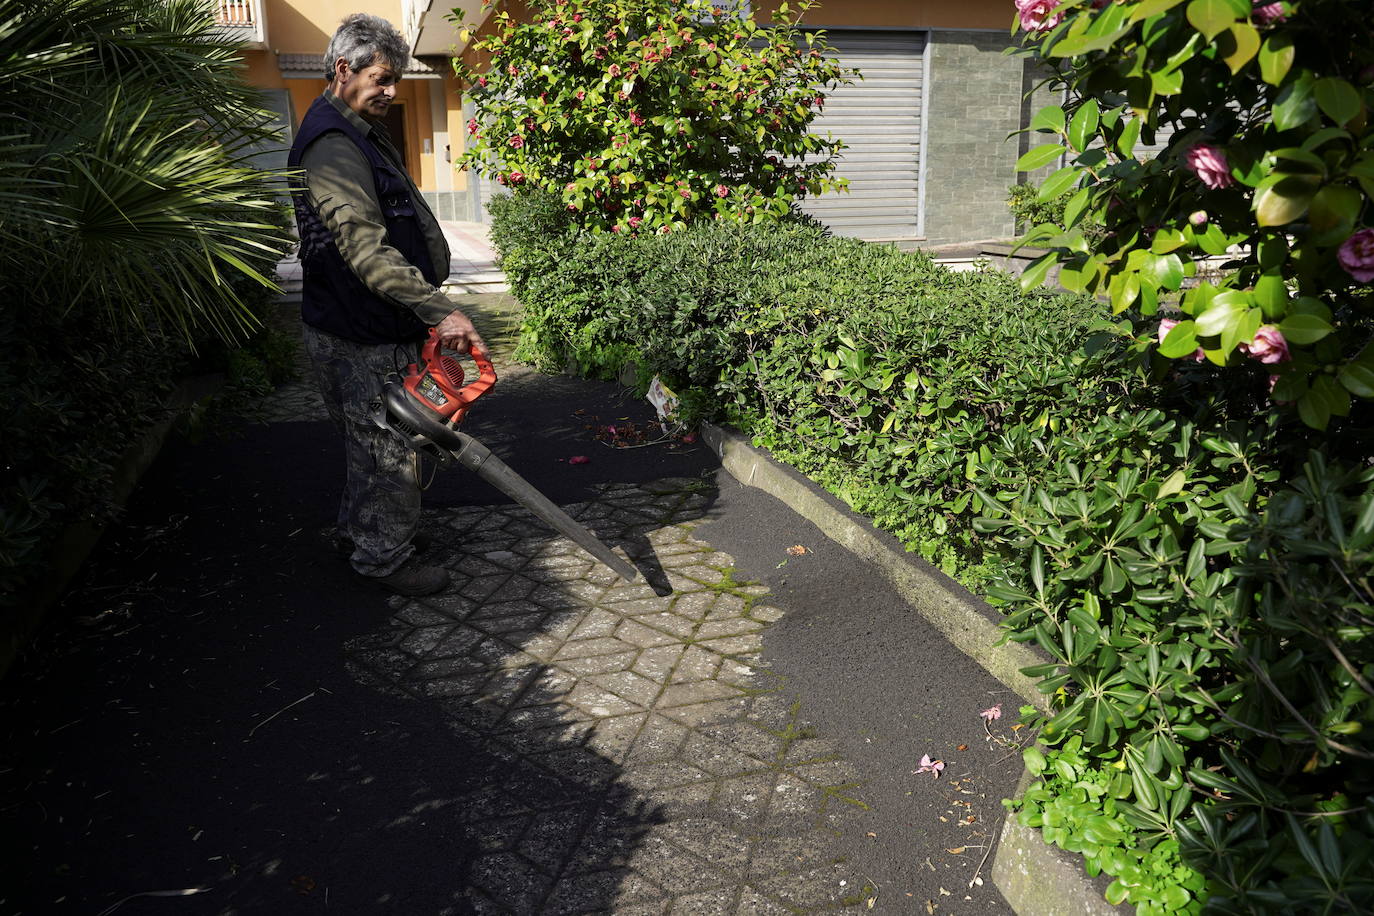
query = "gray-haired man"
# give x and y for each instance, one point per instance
(373, 257)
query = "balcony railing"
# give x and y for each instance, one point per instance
(242, 20)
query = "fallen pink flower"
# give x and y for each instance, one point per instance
(930, 766)
(992, 712)
(579, 459)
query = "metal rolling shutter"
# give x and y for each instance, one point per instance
(880, 118)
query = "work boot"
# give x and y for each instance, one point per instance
(413, 579)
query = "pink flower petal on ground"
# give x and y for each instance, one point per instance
(930, 766)
(992, 712)
(579, 459)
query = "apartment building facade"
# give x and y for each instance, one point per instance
(929, 159)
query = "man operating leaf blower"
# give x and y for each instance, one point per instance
(373, 257)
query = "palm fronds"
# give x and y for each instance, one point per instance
(126, 189)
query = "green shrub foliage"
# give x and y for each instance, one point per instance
(1269, 164)
(647, 115)
(1194, 567)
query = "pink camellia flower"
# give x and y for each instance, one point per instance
(1168, 324)
(472, 126)
(992, 712)
(636, 119)
(517, 141)
(1039, 15)
(1209, 164)
(481, 80)
(1198, 218)
(1268, 347)
(1268, 13)
(517, 177)
(512, 70)
(636, 222)
(613, 69)
(1356, 255)
(722, 191)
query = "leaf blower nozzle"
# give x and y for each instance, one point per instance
(424, 409)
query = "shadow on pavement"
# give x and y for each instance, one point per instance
(220, 704)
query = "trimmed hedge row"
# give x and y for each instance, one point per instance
(1197, 569)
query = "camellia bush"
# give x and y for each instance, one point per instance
(648, 115)
(1200, 576)
(1270, 166)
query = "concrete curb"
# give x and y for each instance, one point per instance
(1038, 879)
(950, 609)
(1035, 878)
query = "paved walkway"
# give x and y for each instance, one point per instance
(228, 714)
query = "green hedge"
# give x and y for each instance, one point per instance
(1195, 568)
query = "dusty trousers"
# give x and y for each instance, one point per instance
(380, 506)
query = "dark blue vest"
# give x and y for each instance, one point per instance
(333, 299)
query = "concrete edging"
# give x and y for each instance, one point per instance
(930, 593)
(1036, 879)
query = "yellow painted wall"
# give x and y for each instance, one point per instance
(914, 14)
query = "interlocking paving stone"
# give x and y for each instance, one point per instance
(609, 697)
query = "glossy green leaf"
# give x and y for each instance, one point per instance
(1076, 207)
(1304, 329)
(1284, 200)
(1296, 103)
(1083, 127)
(1271, 295)
(1050, 118)
(1358, 379)
(1180, 341)
(1238, 45)
(1335, 207)
(1163, 271)
(1146, 9)
(1211, 16)
(1167, 240)
(1058, 182)
(1276, 57)
(1130, 136)
(1337, 99)
(1124, 290)
(1039, 157)
(1225, 311)
(1036, 273)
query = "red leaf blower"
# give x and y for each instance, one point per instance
(424, 409)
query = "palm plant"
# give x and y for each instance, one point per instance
(127, 198)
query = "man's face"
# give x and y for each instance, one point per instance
(368, 91)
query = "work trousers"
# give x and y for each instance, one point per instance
(380, 508)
